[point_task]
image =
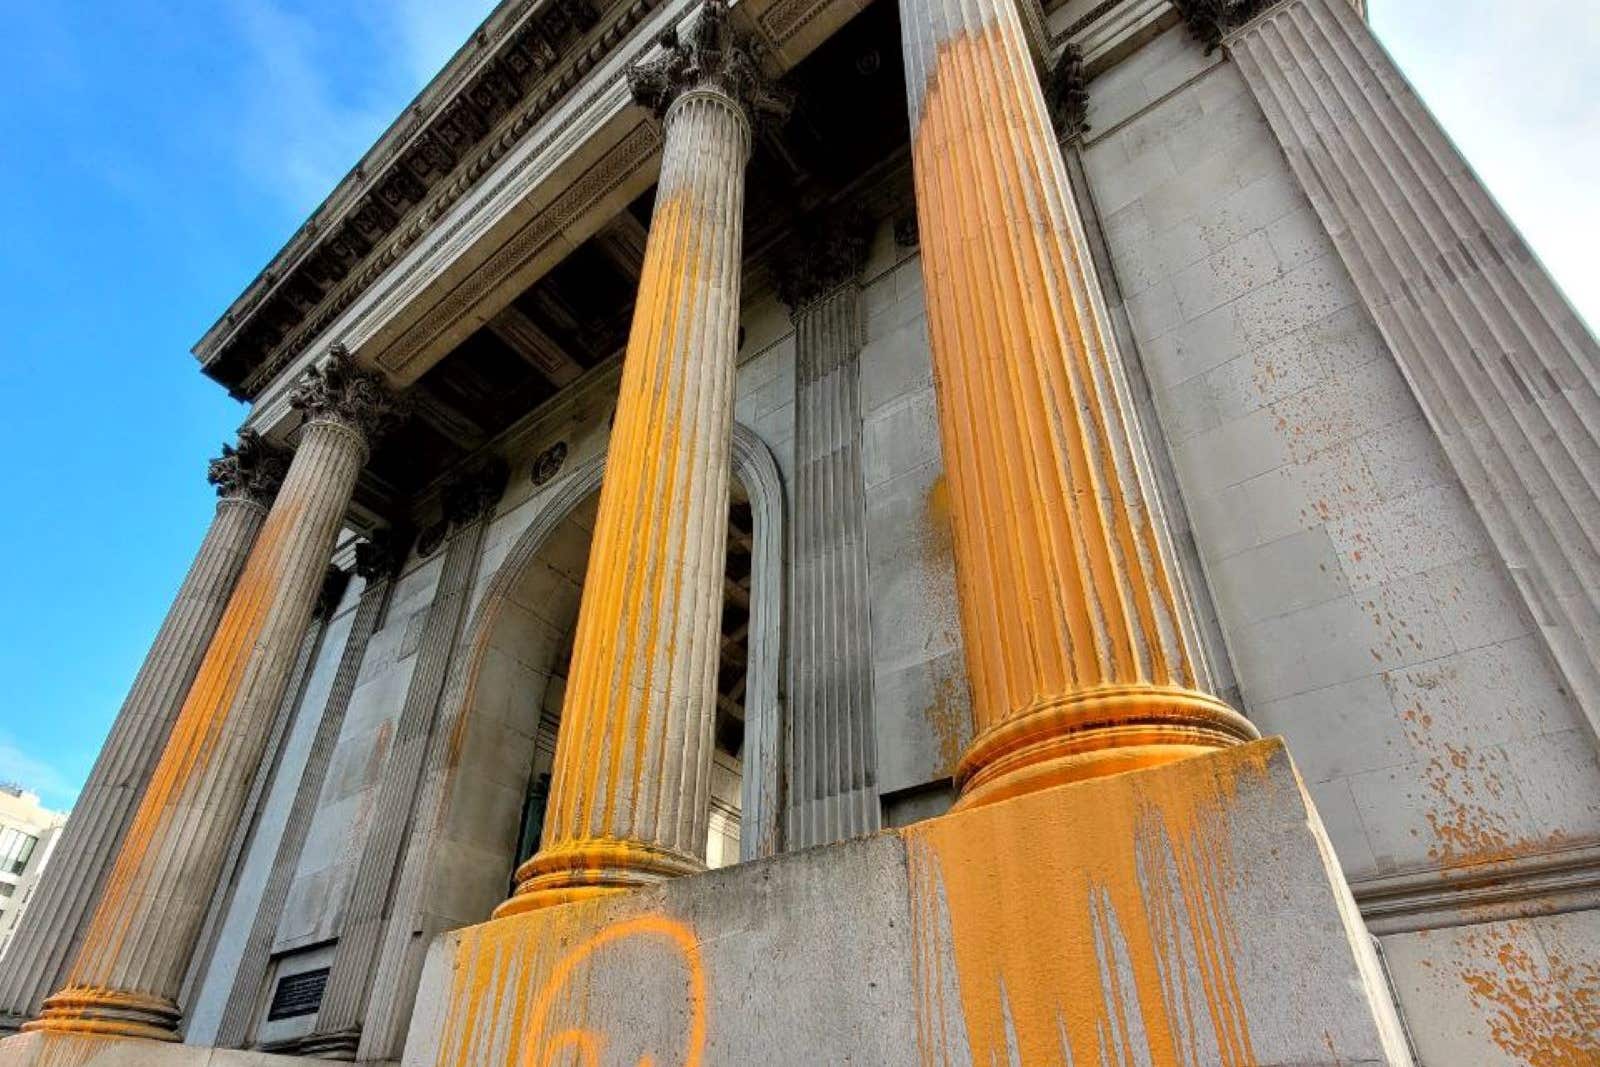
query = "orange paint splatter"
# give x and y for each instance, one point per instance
(520, 992)
(1543, 1014)
(1138, 968)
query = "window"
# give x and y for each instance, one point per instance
(16, 849)
(298, 994)
(6, 889)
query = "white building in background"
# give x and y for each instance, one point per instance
(28, 832)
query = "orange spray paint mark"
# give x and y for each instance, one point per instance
(520, 994)
(1129, 958)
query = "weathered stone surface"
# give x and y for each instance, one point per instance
(831, 735)
(1500, 363)
(1367, 615)
(1132, 910)
(127, 975)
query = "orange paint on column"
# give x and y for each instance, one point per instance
(1081, 648)
(628, 794)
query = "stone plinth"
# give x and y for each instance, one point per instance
(86, 1050)
(1190, 913)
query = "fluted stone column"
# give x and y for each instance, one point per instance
(1501, 365)
(128, 972)
(334, 581)
(376, 561)
(832, 784)
(628, 796)
(247, 478)
(469, 504)
(1081, 646)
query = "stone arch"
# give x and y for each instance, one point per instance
(451, 875)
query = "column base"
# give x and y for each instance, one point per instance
(340, 1045)
(111, 1012)
(584, 870)
(1094, 733)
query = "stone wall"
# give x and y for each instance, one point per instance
(1368, 618)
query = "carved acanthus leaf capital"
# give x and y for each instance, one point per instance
(337, 389)
(250, 470)
(708, 56)
(1212, 20)
(822, 257)
(380, 554)
(475, 494)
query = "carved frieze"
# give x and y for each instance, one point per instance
(252, 469)
(708, 56)
(338, 390)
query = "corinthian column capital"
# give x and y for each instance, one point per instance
(380, 555)
(474, 494)
(1212, 20)
(710, 57)
(338, 390)
(251, 470)
(821, 259)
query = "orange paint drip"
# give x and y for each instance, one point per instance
(1130, 958)
(1081, 653)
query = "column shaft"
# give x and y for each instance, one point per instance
(628, 797)
(127, 975)
(832, 780)
(337, 1033)
(1501, 365)
(53, 926)
(1081, 647)
(238, 1016)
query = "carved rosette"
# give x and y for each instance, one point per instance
(1212, 20)
(709, 57)
(338, 390)
(251, 470)
(822, 258)
(474, 495)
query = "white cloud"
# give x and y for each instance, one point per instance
(306, 115)
(36, 775)
(319, 84)
(430, 31)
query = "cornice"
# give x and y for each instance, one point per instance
(1547, 883)
(524, 60)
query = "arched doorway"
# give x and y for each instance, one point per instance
(478, 803)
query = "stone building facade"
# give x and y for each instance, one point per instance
(1024, 408)
(28, 833)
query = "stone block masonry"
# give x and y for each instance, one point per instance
(1129, 918)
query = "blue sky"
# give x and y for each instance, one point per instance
(157, 154)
